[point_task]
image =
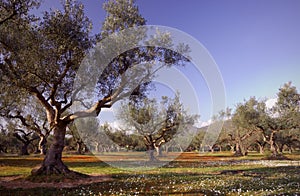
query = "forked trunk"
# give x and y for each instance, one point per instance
(261, 149)
(80, 148)
(180, 148)
(52, 163)
(211, 148)
(240, 150)
(231, 148)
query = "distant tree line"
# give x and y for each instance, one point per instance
(252, 126)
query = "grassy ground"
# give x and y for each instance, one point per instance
(210, 174)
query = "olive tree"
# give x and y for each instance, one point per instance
(282, 119)
(246, 118)
(39, 57)
(158, 123)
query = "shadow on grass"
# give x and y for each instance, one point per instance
(20, 162)
(277, 180)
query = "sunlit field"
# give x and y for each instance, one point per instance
(200, 174)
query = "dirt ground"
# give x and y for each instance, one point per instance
(13, 182)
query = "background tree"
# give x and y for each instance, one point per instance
(124, 139)
(27, 114)
(246, 118)
(157, 123)
(282, 118)
(8, 142)
(26, 138)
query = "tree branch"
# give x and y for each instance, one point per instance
(93, 111)
(47, 106)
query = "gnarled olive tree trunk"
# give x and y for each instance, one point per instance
(53, 163)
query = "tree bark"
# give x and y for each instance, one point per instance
(261, 149)
(231, 148)
(52, 163)
(240, 150)
(151, 150)
(42, 144)
(159, 151)
(97, 147)
(80, 147)
(273, 146)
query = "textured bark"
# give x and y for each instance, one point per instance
(52, 163)
(43, 144)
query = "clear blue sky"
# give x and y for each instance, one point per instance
(255, 43)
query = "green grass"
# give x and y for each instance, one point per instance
(188, 174)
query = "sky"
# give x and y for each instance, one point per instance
(256, 44)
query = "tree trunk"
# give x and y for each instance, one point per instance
(24, 149)
(261, 149)
(290, 149)
(167, 149)
(97, 149)
(280, 149)
(2, 149)
(180, 148)
(240, 150)
(79, 147)
(273, 146)
(52, 163)
(211, 148)
(42, 144)
(151, 150)
(159, 151)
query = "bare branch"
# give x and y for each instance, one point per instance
(58, 82)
